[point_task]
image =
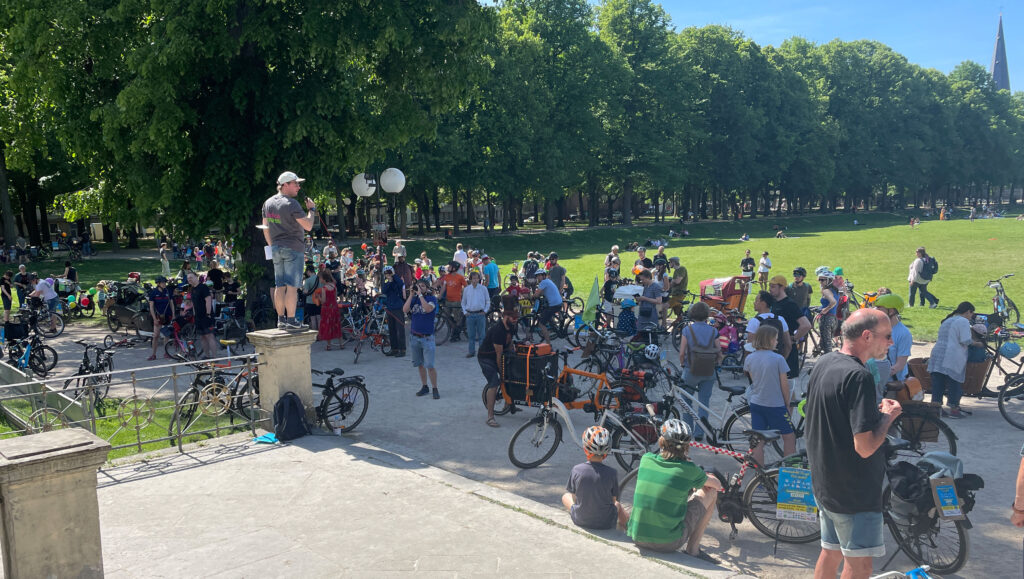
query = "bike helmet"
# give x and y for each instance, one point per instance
(360, 272)
(161, 278)
(824, 272)
(675, 430)
(597, 441)
(652, 352)
(541, 271)
(611, 271)
(442, 270)
(389, 269)
(1009, 350)
(628, 303)
(799, 271)
(891, 301)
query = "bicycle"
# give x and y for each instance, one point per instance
(757, 501)
(581, 336)
(48, 324)
(93, 375)
(210, 395)
(1001, 303)
(344, 401)
(558, 325)
(31, 353)
(374, 328)
(633, 433)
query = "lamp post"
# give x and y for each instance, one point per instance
(364, 185)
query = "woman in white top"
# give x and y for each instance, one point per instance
(948, 362)
(764, 266)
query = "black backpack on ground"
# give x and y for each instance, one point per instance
(785, 341)
(290, 418)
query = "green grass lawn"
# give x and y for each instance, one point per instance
(876, 253)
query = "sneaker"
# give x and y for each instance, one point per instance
(282, 323)
(293, 325)
(423, 391)
(437, 395)
(954, 413)
(934, 305)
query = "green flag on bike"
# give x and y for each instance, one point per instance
(593, 299)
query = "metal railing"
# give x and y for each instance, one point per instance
(139, 409)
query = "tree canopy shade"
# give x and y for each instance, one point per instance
(180, 113)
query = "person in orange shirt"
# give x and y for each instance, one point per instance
(453, 282)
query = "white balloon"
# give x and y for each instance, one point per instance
(362, 186)
(392, 180)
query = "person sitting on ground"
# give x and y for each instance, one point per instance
(768, 393)
(744, 237)
(674, 499)
(593, 497)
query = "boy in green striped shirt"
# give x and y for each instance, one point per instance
(674, 498)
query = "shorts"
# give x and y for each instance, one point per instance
(204, 326)
(423, 349)
(549, 312)
(695, 511)
(609, 523)
(288, 265)
(491, 373)
(51, 305)
(857, 535)
(770, 418)
(7, 303)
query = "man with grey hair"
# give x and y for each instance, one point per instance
(846, 429)
(283, 227)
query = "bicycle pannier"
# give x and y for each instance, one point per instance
(702, 358)
(14, 331)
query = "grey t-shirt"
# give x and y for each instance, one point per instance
(557, 275)
(764, 367)
(594, 485)
(649, 311)
(281, 213)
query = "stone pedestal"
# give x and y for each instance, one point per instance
(49, 511)
(285, 366)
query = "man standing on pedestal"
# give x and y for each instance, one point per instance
(283, 225)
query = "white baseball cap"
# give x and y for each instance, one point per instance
(288, 177)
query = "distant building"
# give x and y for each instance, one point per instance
(1000, 73)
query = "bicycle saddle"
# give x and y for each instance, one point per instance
(734, 390)
(335, 372)
(768, 435)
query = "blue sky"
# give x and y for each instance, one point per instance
(938, 34)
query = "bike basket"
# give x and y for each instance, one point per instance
(14, 331)
(926, 431)
(530, 379)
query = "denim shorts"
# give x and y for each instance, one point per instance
(422, 351)
(288, 265)
(491, 373)
(770, 418)
(51, 305)
(857, 535)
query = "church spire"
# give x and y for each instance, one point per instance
(1000, 74)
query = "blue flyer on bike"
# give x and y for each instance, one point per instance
(796, 498)
(944, 493)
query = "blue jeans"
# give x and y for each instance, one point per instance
(943, 384)
(476, 326)
(288, 265)
(925, 294)
(705, 387)
(423, 349)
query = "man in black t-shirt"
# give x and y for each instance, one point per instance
(642, 260)
(497, 339)
(747, 265)
(202, 306)
(845, 432)
(231, 289)
(797, 323)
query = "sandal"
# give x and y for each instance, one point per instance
(328, 348)
(704, 556)
(152, 357)
(492, 423)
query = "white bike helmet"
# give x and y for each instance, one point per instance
(824, 272)
(597, 441)
(652, 352)
(675, 430)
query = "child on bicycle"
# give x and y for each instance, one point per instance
(593, 497)
(768, 393)
(626, 326)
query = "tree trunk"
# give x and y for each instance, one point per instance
(627, 201)
(593, 199)
(455, 212)
(580, 208)
(549, 214)
(10, 229)
(560, 207)
(470, 211)
(44, 221)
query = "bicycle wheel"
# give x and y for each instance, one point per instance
(90, 310)
(246, 400)
(37, 364)
(143, 326)
(1011, 403)
(112, 322)
(575, 306)
(587, 385)
(501, 407)
(925, 434)
(52, 326)
(47, 355)
(442, 330)
(535, 442)
(345, 407)
(759, 501)
(628, 451)
(184, 411)
(109, 341)
(581, 336)
(1012, 313)
(627, 487)
(943, 545)
(734, 439)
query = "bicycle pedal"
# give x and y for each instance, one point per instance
(589, 407)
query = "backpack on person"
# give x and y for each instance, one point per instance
(702, 359)
(930, 267)
(290, 418)
(785, 343)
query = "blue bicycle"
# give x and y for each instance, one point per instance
(33, 354)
